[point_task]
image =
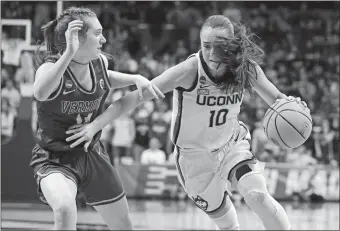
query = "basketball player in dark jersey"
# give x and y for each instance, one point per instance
(212, 147)
(71, 85)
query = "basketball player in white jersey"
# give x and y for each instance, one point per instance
(211, 146)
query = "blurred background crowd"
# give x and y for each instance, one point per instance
(301, 41)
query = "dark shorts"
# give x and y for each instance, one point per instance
(92, 172)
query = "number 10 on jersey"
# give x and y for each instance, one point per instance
(218, 118)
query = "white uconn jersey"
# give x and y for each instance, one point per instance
(203, 117)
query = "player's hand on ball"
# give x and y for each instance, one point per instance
(143, 83)
(81, 133)
(296, 99)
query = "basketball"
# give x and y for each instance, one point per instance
(287, 123)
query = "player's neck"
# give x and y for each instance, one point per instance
(79, 70)
(217, 73)
(81, 63)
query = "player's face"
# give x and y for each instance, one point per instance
(92, 44)
(211, 53)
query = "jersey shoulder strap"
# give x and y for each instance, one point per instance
(196, 79)
(101, 72)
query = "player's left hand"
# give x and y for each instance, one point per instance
(297, 99)
(143, 83)
(81, 133)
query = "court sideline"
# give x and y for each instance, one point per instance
(170, 215)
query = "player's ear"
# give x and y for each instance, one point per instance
(82, 36)
(81, 39)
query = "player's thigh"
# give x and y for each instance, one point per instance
(201, 182)
(213, 197)
(241, 162)
(116, 215)
(236, 156)
(102, 184)
(58, 190)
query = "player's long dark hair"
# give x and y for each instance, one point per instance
(54, 33)
(239, 52)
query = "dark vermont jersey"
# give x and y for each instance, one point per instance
(71, 104)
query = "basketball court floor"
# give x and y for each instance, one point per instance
(170, 215)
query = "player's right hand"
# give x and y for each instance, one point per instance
(71, 35)
(81, 133)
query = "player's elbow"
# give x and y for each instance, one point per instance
(39, 94)
(43, 89)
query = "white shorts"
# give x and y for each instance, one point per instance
(207, 175)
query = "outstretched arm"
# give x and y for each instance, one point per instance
(119, 80)
(268, 92)
(182, 74)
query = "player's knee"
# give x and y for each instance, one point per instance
(251, 184)
(226, 218)
(126, 222)
(65, 214)
(227, 221)
(253, 188)
(122, 221)
(64, 206)
(255, 196)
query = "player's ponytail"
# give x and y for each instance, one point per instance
(48, 30)
(248, 56)
(54, 33)
(49, 33)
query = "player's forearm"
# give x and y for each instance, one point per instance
(270, 98)
(281, 96)
(43, 85)
(111, 113)
(119, 79)
(268, 92)
(118, 108)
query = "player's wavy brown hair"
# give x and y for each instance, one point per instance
(239, 52)
(54, 34)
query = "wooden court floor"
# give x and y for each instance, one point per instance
(170, 215)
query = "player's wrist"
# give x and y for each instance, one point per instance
(281, 96)
(95, 127)
(69, 52)
(135, 78)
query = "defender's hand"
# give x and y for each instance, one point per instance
(143, 83)
(81, 133)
